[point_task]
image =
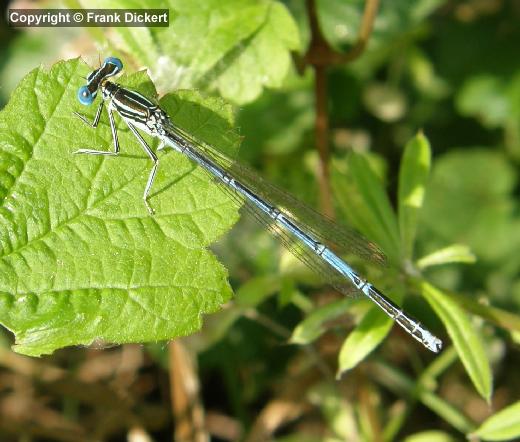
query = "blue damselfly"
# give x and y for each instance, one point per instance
(306, 233)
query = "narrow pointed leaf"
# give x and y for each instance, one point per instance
(369, 333)
(362, 200)
(504, 425)
(464, 336)
(413, 174)
(452, 254)
(430, 436)
(314, 325)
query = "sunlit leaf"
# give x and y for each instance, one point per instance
(80, 257)
(363, 201)
(313, 325)
(413, 173)
(369, 333)
(464, 338)
(451, 254)
(504, 425)
(430, 436)
(236, 46)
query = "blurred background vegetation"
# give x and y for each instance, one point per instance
(447, 68)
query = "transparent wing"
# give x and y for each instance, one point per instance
(343, 240)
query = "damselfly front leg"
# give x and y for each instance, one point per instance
(96, 118)
(94, 124)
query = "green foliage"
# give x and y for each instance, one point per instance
(464, 337)
(369, 333)
(81, 258)
(480, 210)
(429, 117)
(412, 183)
(504, 425)
(363, 201)
(451, 254)
(314, 325)
(214, 45)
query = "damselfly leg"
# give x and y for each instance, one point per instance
(94, 125)
(144, 144)
(96, 118)
(155, 160)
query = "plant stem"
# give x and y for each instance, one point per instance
(320, 56)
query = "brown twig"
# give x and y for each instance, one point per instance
(184, 386)
(320, 56)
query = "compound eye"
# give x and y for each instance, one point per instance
(84, 96)
(114, 61)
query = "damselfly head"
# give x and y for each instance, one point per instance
(110, 67)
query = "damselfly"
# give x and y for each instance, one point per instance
(306, 233)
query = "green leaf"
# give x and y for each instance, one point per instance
(264, 62)
(248, 296)
(399, 383)
(430, 436)
(236, 46)
(363, 201)
(461, 203)
(143, 43)
(502, 318)
(314, 325)
(413, 174)
(504, 425)
(484, 96)
(447, 255)
(464, 337)
(369, 333)
(339, 412)
(80, 258)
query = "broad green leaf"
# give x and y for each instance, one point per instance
(143, 43)
(369, 333)
(447, 255)
(415, 167)
(280, 122)
(80, 258)
(504, 425)
(484, 96)
(236, 46)
(463, 203)
(464, 337)
(314, 325)
(362, 200)
(264, 62)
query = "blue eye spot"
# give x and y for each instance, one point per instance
(84, 96)
(114, 61)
